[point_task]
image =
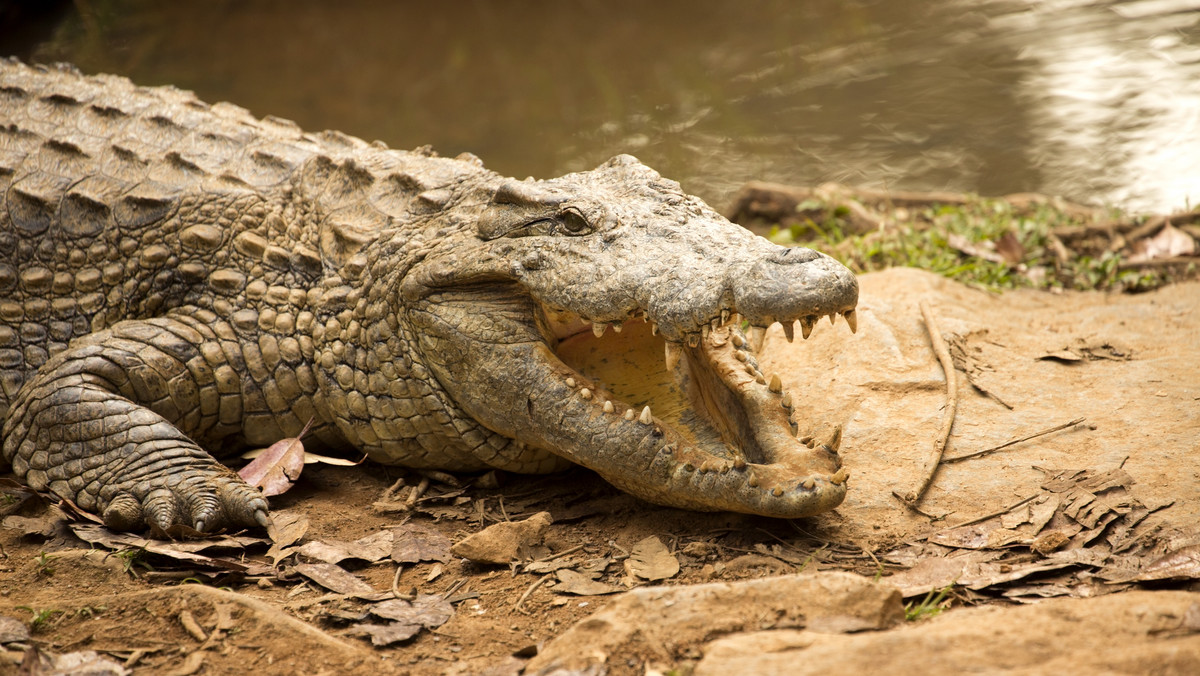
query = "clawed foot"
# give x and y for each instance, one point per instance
(206, 499)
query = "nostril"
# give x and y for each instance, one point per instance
(792, 255)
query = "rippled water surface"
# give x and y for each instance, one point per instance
(1097, 101)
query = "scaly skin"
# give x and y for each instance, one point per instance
(176, 277)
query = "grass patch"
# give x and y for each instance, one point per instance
(933, 604)
(987, 243)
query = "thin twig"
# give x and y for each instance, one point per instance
(561, 554)
(417, 492)
(541, 581)
(943, 354)
(1006, 444)
(978, 519)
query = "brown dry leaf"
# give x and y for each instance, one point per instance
(982, 250)
(386, 634)
(338, 580)
(571, 582)
(309, 458)
(277, 468)
(415, 543)
(371, 548)
(934, 573)
(427, 610)
(40, 526)
(1010, 249)
(1182, 564)
(183, 552)
(1168, 243)
(286, 529)
(650, 560)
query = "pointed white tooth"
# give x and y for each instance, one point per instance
(715, 324)
(571, 383)
(598, 329)
(806, 327)
(832, 318)
(671, 352)
(629, 414)
(835, 439)
(617, 327)
(608, 407)
(851, 319)
(585, 393)
(654, 328)
(776, 384)
(786, 401)
(724, 317)
(839, 477)
(754, 335)
(789, 331)
(809, 483)
(645, 418)
(738, 340)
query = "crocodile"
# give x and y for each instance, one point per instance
(180, 281)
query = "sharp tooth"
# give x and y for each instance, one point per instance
(654, 328)
(704, 331)
(807, 440)
(851, 319)
(786, 401)
(715, 324)
(585, 393)
(832, 318)
(789, 331)
(806, 326)
(839, 477)
(776, 384)
(777, 492)
(835, 439)
(758, 378)
(739, 462)
(693, 340)
(617, 328)
(571, 383)
(809, 484)
(739, 355)
(608, 407)
(629, 414)
(738, 340)
(724, 317)
(598, 329)
(645, 418)
(671, 352)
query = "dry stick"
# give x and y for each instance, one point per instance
(529, 591)
(943, 355)
(1006, 444)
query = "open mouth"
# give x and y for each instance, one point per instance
(711, 412)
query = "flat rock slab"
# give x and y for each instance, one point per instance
(1133, 633)
(666, 624)
(1126, 363)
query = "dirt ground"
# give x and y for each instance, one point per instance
(1127, 364)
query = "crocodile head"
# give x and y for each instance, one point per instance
(598, 316)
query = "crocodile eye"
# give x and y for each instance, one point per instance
(573, 222)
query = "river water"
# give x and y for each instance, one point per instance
(1095, 101)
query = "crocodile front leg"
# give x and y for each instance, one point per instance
(110, 423)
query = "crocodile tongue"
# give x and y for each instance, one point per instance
(699, 424)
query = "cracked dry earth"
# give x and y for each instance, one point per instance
(1094, 572)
